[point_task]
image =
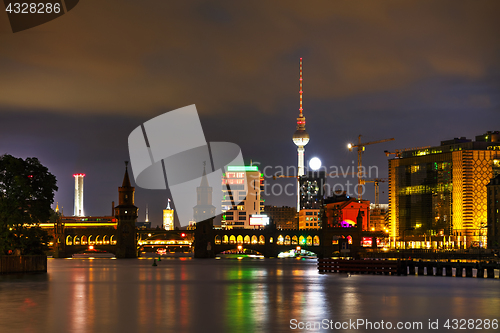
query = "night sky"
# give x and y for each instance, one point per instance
(73, 89)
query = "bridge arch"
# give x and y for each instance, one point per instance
(316, 240)
(217, 239)
(270, 239)
(254, 240)
(91, 241)
(246, 240)
(225, 239)
(262, 240)
(232, 239)
(69, 240)
(294, 240)
(76, 240)
(309, 240)
(280, 240)
(302, 240)
(112, 240)
(98, 240)
(105, 240)
(287, 240)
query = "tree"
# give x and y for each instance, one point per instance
(26, 194)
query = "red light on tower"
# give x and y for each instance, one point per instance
(183, 235)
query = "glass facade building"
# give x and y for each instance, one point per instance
(441, 191)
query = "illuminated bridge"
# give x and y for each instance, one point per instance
(270, 242)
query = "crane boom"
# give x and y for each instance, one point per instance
(361, 147)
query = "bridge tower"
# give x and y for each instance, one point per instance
(203, 214)
(126, 216)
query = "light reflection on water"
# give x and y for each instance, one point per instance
(250, 295)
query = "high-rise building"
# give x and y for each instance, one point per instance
(493, 225)
(312, 189)
(300, 138)
(78, 194)
(441, 191)
(242, 198)
(168, 217)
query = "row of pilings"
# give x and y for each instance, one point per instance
(479, 269)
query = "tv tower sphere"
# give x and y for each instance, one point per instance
(300, 138)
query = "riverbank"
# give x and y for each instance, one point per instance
(23, 264)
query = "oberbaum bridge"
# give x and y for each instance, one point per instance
(117, 234)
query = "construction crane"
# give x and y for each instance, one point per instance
(398, 152)
(361, 149)
(375, 182)
(333, 174)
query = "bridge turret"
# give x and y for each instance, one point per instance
(126, 216)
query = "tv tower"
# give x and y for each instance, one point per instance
(300, 138)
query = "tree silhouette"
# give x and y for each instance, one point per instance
(26, 193)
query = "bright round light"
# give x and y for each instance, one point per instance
(315, 163)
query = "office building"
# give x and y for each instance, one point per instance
(242, 198)
(493, 206)
(441, 190)
(312, 189)
(309, 219)
(282, 217)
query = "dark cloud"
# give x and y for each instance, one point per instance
(419, 71)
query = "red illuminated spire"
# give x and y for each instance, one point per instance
(300, 90)
(301, 120)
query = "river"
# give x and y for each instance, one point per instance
(230, 295)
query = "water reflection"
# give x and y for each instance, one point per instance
(225, 296)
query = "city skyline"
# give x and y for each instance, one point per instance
(402, 73)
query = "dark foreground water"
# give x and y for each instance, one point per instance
(250, 295)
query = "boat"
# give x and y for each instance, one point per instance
(93, 253)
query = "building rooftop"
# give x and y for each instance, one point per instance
(487, 141)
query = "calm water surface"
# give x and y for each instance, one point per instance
(250, 295)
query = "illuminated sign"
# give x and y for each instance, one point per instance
(259, 219)
(242, 168)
